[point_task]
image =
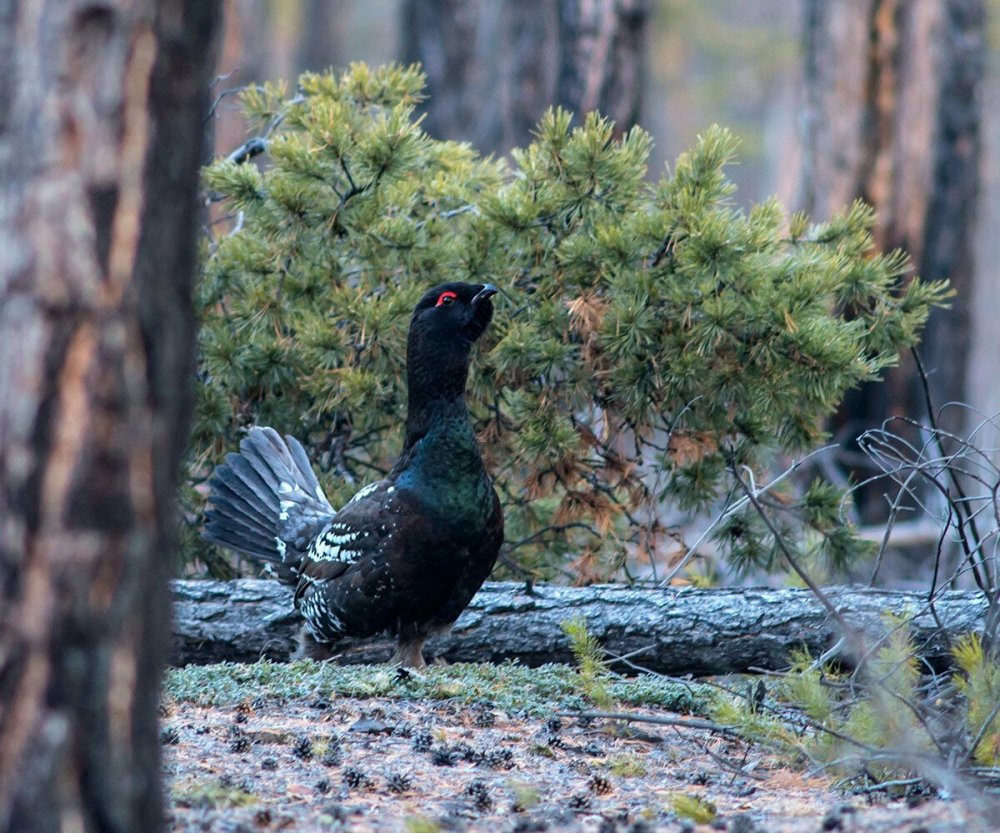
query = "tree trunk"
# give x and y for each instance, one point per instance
(321, 38)
(494, 68)
(671, 631)
(242, 53)
(893, 117)
(101, 113)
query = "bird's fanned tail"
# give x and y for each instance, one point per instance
(267, 502)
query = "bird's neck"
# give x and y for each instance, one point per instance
(442, 466)
(430, 416)
(440, 444)
(436, 391)
(440, 462)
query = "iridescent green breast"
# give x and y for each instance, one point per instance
(446, 474)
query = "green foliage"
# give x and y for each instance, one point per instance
(766, 727)
(627, 766)
(868, 723)
(210, 795)
(647, 333)
(689, 806)
(807, 686)
(525, 795)
(421, 824)
(882, 720)
(979, 683)
(592, 670)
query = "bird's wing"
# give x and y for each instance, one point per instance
(382, 563)
(346, 582)
(363, 527)
(476, 568)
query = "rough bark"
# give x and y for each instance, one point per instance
(101, 111)
(672, 631)
(893, 117)
(494, 68)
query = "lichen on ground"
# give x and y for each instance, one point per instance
(514, 688)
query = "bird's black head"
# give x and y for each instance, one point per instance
(446, 322)
(456, 313)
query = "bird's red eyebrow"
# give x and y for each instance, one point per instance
(443, 295)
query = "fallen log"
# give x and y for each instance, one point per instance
(673, 631)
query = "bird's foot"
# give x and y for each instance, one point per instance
(407, 675)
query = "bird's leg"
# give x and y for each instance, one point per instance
(309, 647)
(410, 653)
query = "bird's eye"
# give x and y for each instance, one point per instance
(445, 298)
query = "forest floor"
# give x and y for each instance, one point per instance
(306, 747)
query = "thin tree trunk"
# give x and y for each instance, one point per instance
(673, 631)
(443, 36)
(101, 121)
(494, 68)
(893, 117)
(321, 38)
(602, 52)
(242, 53)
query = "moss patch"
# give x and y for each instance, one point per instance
(210, 795)
(530, 692)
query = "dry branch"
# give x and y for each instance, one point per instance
(684, 631)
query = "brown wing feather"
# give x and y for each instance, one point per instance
(358, 533)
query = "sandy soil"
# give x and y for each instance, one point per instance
(419, 766)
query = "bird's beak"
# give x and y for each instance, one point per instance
(488, 291)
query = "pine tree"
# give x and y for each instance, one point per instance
(649, 338)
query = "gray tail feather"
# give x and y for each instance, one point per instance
(266, 502)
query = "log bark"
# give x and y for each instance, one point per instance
(101, 118)
(672, 631)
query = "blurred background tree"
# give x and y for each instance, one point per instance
(524, 57)
(893, 116)
(101, 139)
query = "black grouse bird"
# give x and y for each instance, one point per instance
(406, 554)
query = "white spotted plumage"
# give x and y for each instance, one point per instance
(363, 493)
(322, 621)
(331, 544)
(341, 542)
